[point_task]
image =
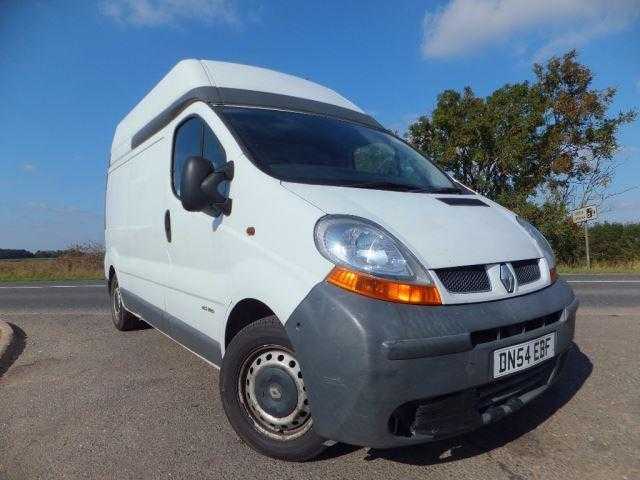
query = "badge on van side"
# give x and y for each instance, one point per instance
(208, 309)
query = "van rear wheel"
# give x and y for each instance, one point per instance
(122, 318)
(264, 395)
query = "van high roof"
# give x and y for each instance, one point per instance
(223, 83)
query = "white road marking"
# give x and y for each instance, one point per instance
(603, 281)
(76, 286)
(25, 287)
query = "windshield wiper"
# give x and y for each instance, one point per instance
(401, 187)
(384, 185)
(446, 190)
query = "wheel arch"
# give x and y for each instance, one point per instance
(245, 312)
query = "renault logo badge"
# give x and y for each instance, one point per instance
(506, 277)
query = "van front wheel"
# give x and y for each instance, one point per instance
(264, 395)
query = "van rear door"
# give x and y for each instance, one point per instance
(142, 264)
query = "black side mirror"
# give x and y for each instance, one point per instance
(200, 183)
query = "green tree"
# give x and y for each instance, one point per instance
(551, 139)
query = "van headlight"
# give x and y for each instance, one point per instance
(371, 262)
(541, 241)
(363, 246)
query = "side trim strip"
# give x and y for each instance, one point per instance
(195, 340)
(427, 347)
(235, 96)
(143, 309)
(176, 329)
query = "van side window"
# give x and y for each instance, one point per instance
(213, 151)
(187, 143)
(194, 138)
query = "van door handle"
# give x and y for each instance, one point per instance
(167, 225)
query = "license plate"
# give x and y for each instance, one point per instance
(524, 355)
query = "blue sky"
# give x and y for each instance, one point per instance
(70, 70)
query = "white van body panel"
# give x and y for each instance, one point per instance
(438, 234)
(280, 264)
(135, 239)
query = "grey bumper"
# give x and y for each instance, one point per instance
(374, 370)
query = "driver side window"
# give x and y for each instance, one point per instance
(194, 138)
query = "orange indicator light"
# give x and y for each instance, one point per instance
(384, 289)
(553, 274)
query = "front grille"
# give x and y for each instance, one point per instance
(527, 271)
(493, 334)
(465, 279)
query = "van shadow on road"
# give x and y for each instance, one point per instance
(577, 369)
(15, 349)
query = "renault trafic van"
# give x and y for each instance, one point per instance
(349, 290)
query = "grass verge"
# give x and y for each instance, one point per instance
(69, 267)
(602, 267)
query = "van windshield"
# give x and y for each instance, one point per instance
(307, 148)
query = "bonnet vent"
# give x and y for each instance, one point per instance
(467, 202)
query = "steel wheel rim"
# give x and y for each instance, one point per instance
(284, 428)
(117, 302)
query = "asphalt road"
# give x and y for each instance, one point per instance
(79, 399)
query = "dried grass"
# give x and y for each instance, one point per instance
(602, 267)
(79, 262)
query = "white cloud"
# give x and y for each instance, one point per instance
(28, 168)
(151, 13)
(466, 26)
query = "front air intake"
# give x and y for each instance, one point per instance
(527, 271)
(462, 202)
(471, 279)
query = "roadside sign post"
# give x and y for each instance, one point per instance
(583, 215)
(586, 245)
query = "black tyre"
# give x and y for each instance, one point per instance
(264, 396)
(122, 319)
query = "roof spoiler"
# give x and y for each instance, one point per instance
(250, 98)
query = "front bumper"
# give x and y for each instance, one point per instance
(382, 374)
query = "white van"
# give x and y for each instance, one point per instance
(348, 289)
